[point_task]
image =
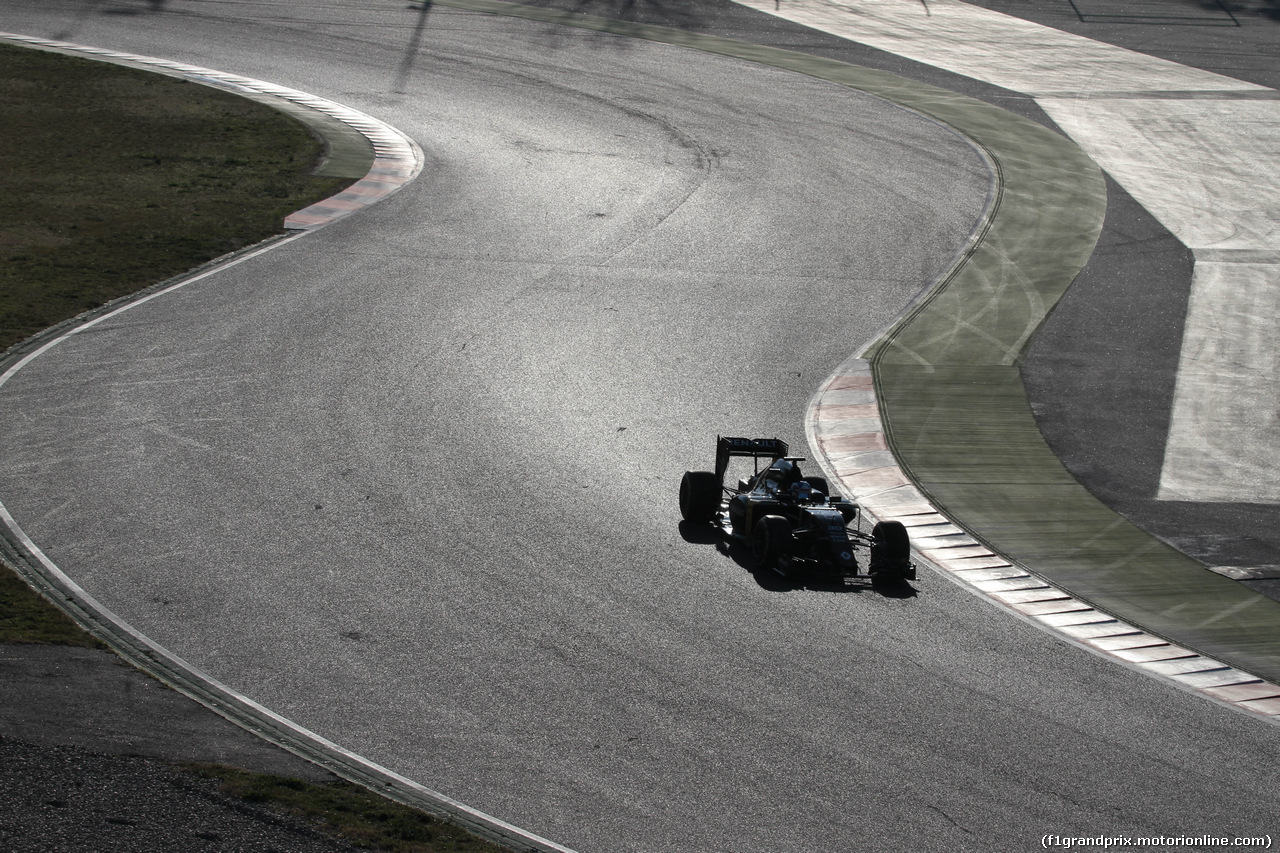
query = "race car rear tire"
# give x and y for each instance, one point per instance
(699, 496)
(818, 484)
(890, 550)
(770, 540)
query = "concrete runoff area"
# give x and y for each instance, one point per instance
(1207, 168)
(1102, 372)
(965, 450)
(1228, 380)
(1175, 12)
(947, 377)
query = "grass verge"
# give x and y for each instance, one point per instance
(114, 179)
(26, 617)
(348, 811)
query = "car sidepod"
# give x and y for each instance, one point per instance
(746, 511)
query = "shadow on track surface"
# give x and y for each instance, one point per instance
(672, 14)
(773, 581)
(103, 7)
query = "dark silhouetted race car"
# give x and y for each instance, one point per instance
(791, 522)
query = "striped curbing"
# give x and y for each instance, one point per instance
(845, 430)
(381, 158)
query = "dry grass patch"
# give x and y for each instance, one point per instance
(112, 179)
(349, 812)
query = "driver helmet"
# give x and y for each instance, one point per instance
(781, 473)
(802, 491)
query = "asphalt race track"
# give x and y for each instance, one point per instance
(409, 480)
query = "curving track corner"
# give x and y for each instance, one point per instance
(383, 160)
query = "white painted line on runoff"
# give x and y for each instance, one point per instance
(1221, 444)
(844, 429)
(397, 161)
(1199, 150)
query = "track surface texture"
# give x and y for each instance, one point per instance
(409, 480)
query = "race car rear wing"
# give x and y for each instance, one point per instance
(757, 448)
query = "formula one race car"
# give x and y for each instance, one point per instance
(792, 523)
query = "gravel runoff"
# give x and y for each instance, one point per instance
(88, 747)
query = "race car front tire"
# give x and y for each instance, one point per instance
(699, 496)
(770, 540)
(891, 551)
